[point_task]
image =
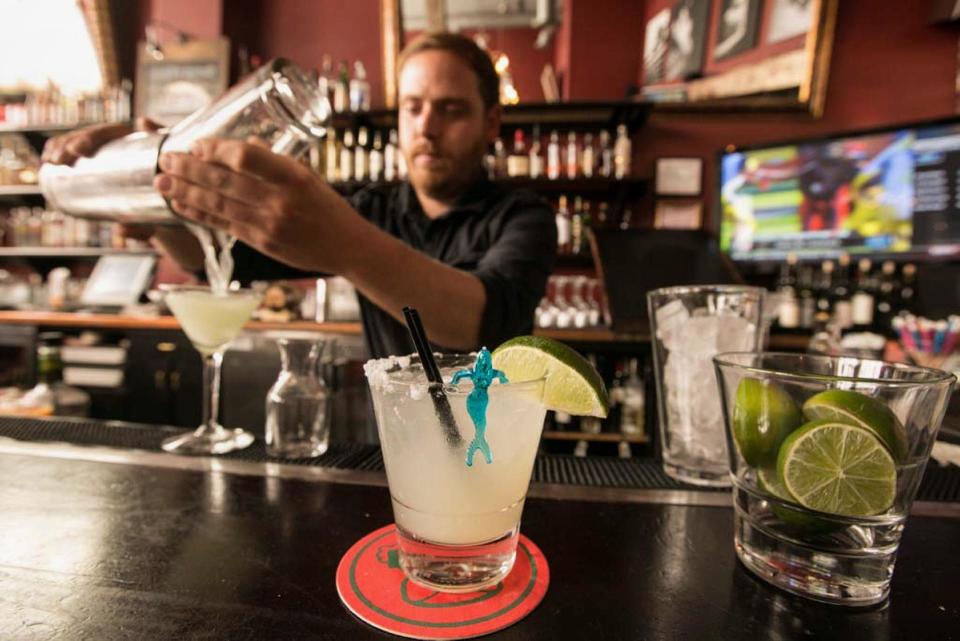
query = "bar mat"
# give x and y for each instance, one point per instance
(372, 586)
(940, 483)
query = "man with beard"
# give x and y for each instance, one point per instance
(472, 256)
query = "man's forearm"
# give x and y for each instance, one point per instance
(393, 275)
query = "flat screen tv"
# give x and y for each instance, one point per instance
(884, 193)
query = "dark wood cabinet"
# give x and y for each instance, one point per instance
(163, 380)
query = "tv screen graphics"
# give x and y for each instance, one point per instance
(889, 193)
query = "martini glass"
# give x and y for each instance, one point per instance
(211, 321)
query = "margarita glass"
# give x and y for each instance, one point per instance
(211, 321)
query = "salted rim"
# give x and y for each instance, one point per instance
(378, 371)
(930, 375)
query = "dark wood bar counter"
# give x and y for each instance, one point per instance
(109, 543)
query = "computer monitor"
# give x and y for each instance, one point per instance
(891, 193)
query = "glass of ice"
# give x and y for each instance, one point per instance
(689, 326)
(457, 524)
(827, 454)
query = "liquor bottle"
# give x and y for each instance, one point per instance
(576, 227)
(806, 299)
(622, 154)
(390, 157)
(824, 287)
(359, 88)
(332, 158)
(326, 80)
(606, 155)
(908, 288)
(563, 226)
(826, 336)
(536, 154)
(840, 294)
(346, 156)
(360, 155)
(553, 156)
(615, 407)
(789, 312)
(632, 412)
(886, 297)
(863, 301)
(376, 158)
(588, 157)
(591, 424)
(586, 219)
(518, 162)
(499, 158)
(573, 156)
(341, 89)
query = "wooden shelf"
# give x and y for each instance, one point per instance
(70, 252)
(52, 130)
(602, 437)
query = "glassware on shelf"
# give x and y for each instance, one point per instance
(296, 412)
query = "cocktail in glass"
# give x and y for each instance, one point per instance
(457, 524)
(826, 456)
(211, 321)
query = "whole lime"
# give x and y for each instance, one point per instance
(764, 414)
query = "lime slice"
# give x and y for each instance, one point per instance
(853, 408)
(838, 468)
(768, 482)
(763, 415)
(572, 384)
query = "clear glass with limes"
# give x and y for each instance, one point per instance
(458, 467)
(826, 456)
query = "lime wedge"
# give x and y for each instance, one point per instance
(572, 384)
(763, 415)
(853, 408)
(838, 468)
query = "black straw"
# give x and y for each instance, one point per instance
(440, 402)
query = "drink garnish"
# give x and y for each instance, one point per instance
(482, 374)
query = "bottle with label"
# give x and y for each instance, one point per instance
(553, 156)
(789, 312)
(632, 411)
(332, 157)
(886, 298)
(622, 154)
(341, 89)
(536, 154)
(563, 226)
(576, 227)
(606, 155)
(327, 80)
(360, 155)
(359, 88)
(862, 303)
(346, 156)
(588, 158)
(390, 157)
(572, 156)
(840, 294)
(518, 162)
(908, 288)
(376, 158)
(824, 287)
(806, 299)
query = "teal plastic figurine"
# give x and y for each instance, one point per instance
(482, 375)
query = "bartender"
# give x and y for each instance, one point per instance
(473, 256)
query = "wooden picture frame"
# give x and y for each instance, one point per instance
(679, 177)
(180, 78)
(678, 213)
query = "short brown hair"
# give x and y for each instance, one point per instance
(466, 50)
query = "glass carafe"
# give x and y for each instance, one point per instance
(278, 104)
(296, 406)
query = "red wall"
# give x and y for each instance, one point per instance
(888, 66)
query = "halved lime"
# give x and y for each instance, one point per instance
(838, 468)
(854, 408)
(769, 482)
(572, 384)
(763, 415)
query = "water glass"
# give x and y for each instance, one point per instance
(689, 326)
(826, 455)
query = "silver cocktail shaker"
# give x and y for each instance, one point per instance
(278, 103)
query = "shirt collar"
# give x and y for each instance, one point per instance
(473, 200)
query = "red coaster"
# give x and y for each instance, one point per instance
(372, 585)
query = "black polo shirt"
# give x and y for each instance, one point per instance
(505, 237)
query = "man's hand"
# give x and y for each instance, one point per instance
(270, 202)
(68, 148)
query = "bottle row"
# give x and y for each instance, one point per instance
(347, 156)
(573, 223)
(571, 156)
(19, 162)
(861, 298)
(52, 108)
(571, 302)
(39, 227)
(346, 92)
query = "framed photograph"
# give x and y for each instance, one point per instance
(655, 47)
(789, 18)
(180, 78)
(688, 36)
(678, 214)
(736, 27)
(679, 176)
